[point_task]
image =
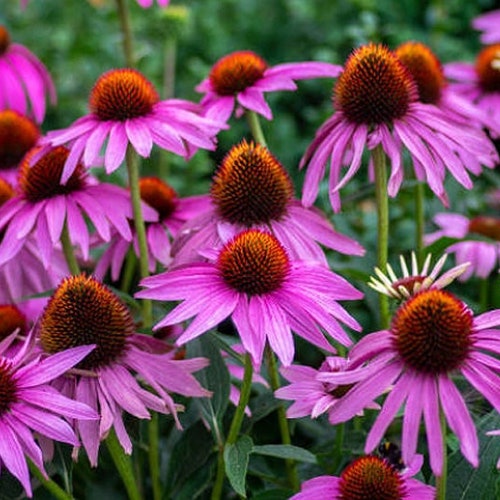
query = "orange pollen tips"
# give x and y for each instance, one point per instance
(18, 134)
(11, 319)
(42, 179)
(158, 195)
(6, 191)
(375, 87)
(251, 186)
(83, 311)
(236, 72)
(425, 68)
(8, 388)
(4, 40)
(254, 263)
(121, 94)
(488, 68)
(432, 331)
(486, 226)
(371, 477)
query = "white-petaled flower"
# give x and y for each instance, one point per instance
(414, 281)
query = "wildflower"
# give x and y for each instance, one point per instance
(489, 24)
(433, 337)
(24, 79)
(253, 280)
(376, 102)
(44, 206)
(313, 397)
(480, 246)
(251, 189)
(368, 477)
(29, 405)
(172, 211)
(414, 281)
(83, 310)
(126, 109)
(18, 134)
(241, 78)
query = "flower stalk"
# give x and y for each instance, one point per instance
(69, 252)
(255, 127)
(126, 30)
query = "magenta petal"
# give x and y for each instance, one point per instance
(116, 147)
(433, 423)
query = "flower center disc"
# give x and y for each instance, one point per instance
(82, 311)
(11, 318)
(121, 94)
(251, 186)
(254, 263)
(375, 87)
(432, 331)
(18, 134)
(42, 180)
(158, 195)
(236, 71)
(8, 389)
(425, 68)
(488, 68)
(6, 192)
(4, 40)
(486, 226)
(370, 477)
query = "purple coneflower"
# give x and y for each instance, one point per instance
(126, 109)
(415, 280)
(242, 77)
(23, 79)
(252, 189)
(376, 104)
(18, 134)
(489, 24)
(310, 396)
(29, 405)
(173, 212)
(481, 245)
(368, 477)
(82, 310)
(44, 207)
(253, 280)
(433, 337)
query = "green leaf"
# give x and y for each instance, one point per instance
(286, 451)
(214, 377)
(236, 461)
(483, 483)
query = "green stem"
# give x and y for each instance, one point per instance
(128, 270)
(123, 464)
(52, 487)
(126, 32)
(154, 454)
(274, 379)
(338, 446)
(419, 221)
(135, 194)
(219, 478)
(69, 252)
(255, 128)
(380, 167)
(170, 57)
(484, 294)
(441, 480)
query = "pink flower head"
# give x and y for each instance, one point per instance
(376, 102)
(24, 80)
(489, 24)
(480, 246)
(253, 280)
(365, 476)
(433, 337)
(28, 405)
(242, 77)
(479, 83)
(172, 211)
(251, 189)
(311, 396)
(44, 207)
(82, 309)
(126, 109)
(148, 3)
